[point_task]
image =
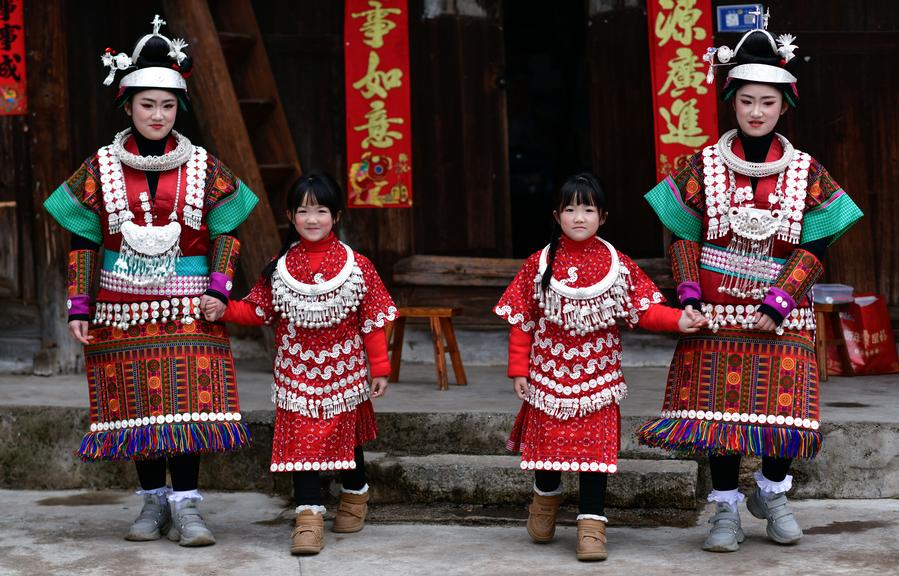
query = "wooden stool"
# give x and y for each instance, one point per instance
(825, 313)
(441, 320)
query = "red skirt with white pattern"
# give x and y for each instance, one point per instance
(581, 444)
(302, 443)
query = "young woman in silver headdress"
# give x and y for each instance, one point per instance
(752, 217)
(161, 377)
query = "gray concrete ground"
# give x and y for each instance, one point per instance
(76, 533)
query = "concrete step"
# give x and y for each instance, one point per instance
(420, 433)
(17, 354)
(20, 336)
(37, 445)
(498, 480)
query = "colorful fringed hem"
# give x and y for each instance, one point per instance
(146, 442)
(715, 437)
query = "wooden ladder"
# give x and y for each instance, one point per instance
(239, 111)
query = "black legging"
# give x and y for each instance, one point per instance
(726, 470)
(185, 471)
(307, 489)
(592, 488)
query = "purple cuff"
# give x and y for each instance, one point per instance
(221, 283)
(780, 301)
(80, 304)
(689, 291)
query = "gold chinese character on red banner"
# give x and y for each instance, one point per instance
(376, 25)
(378, 127)
(684, 71)
(682, 122)
(378, 82)
(680, 23)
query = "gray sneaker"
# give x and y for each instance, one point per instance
(782, 526)
(188, 527)
(726, 532)
(153, 521)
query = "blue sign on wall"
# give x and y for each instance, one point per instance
(738, 17)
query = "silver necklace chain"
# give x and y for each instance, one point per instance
(753, 169)
(168, 161)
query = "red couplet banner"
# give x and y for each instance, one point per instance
(378, 105)
(12, 58)
(685, 106)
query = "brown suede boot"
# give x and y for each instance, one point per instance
(591, 540)
(351, 511)
(308, 533)
(542, 517)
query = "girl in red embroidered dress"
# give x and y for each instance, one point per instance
(329, 308)
(565, 358)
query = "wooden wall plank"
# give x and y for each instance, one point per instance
(459, 123)
(621, 126)
(48, 127)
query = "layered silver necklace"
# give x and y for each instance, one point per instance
(168, 161)
(753, 169)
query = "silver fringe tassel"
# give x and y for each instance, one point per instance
(319, 311)
(327, 407)
(581, 317)
(752, 258)
(143, 270)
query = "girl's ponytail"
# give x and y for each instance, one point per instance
(551, 257)
(292, 237)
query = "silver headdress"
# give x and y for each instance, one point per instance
(151, 76)
(753, 71)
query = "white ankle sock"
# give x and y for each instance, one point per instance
(364, 490)
(177, 499)
(770, 488)
(592, 517)
(314, 507)
(162, 494)
(730, 497)
(555, 492)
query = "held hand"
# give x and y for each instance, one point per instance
(521, 387)
(212, 307)
(690, 321)
(764, 322)
(378, 386)
(697, 317)
(686, 324)
(78, 329)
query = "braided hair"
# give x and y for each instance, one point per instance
(583, 188)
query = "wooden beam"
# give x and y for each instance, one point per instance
(48, 125)
(442, 271)
(252, 76)
(216, 105)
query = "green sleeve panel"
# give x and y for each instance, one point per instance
(831, 219)
(231, 211)
(74, 216)
(667, 201)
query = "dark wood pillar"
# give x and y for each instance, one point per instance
(220, 120)
(461, 153)
(621, 129)
(49, 128)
